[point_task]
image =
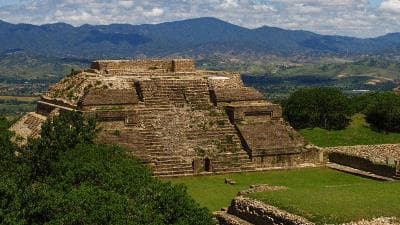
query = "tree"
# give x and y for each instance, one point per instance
(97, 184)
(7, 149)
(383, 112)
(59, 134)
(72, 180)
(327, 108)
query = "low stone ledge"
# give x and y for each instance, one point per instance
(245, 211)
(357, 162)
(259, 213)
(376, 153)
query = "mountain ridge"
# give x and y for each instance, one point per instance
(197, 38)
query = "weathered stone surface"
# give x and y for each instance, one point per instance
(259, 213)
(377, 221)
(175, 118)
(376, 153)
(383, 160)
(29, 126)
(225, 218)
(246, 211)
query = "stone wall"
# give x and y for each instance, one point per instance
(288, 160)
(376, 153)
(110, 97)
(183, 65)
(382, 159)
(362, 164)
(176, 65)
(236, 94)
(243, 112)
(47, 106)
(270, 138)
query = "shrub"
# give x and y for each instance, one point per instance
(326, 108)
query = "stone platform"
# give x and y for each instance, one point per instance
(179, 120)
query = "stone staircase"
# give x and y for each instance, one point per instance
(172, 113)
(34, 123)
(221, 137)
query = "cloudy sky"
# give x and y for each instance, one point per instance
(361, 18)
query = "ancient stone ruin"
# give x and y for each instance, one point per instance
(179, 120)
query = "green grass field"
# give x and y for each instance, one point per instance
(358, 132)
(319, 194)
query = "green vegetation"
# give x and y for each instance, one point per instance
(376, 67)
(278, 80)
(26, 74)
(17, 105)
(322, 115)
(279, 67)
(383, 112)
(320, 194)
(64, 178)
(20, 66)
(359, 132)
(327, 108)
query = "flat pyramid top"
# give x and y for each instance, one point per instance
(174, 65)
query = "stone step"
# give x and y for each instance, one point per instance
(224, 218)
(166, 160)
(172, 172)
(234, 170)
(172, 163)
(169, 167)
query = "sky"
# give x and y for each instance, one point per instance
(359, 18)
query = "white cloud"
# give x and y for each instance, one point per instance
(392, 6)
(344, 17)
(154, 12)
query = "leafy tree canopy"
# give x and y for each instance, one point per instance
(383, 111)
(65, 178)
(326, 108)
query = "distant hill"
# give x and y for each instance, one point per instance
(20, 67)
(198, 38)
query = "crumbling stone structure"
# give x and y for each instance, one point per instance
(247, 211)
(179, 120)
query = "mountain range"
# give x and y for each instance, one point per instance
(197, 38)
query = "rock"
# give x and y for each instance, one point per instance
(229, 181)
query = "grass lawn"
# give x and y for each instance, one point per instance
(319, 194)
(358, 132)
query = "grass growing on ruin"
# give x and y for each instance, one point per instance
(319, 194)
(359, 132)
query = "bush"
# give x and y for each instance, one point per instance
(383, 112)
(64, 178)
(326, 108)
